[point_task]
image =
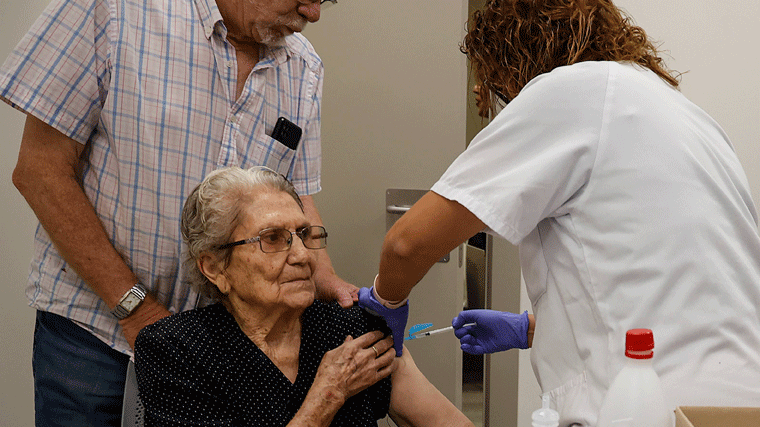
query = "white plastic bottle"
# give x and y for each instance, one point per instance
(546, 416)
(635, 398)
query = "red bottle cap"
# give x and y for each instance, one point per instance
(639, 344)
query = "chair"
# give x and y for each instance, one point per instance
(133, 412)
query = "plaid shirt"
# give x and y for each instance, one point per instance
(149, 87)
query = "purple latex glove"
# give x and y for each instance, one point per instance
(495, 331)
(395, 317)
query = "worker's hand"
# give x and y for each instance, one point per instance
(395, 317)
(494, 331)
(149, 312)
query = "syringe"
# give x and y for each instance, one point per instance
(437, 331)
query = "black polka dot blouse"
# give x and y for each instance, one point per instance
(198, 368)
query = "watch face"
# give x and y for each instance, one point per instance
(130, 302)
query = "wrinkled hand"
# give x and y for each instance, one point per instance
(495, 330)
(333, 288)
(149, 312)
(355, 365)
(395, 317)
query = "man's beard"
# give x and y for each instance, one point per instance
(274, 33)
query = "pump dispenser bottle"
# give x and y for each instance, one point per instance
(635, 398)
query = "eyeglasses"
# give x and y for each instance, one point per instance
(327, 3)
(279, 239)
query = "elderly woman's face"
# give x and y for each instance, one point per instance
(270, 280)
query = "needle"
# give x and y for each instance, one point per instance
(438, 331)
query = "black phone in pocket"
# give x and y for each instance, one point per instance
(287, 132)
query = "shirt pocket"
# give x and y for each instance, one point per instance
(267, 151)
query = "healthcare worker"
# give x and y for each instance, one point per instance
(627, 201)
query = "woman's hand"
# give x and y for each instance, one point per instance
(495, 330)
(345, 371)
(357, 363)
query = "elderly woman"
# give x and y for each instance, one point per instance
(267, 353)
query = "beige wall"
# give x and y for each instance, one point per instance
(16, 328)
(714, 41)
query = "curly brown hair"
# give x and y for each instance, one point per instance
(510, 42)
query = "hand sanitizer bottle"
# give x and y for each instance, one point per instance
(635, 398)
(545, 417)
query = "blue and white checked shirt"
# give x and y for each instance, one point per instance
(149, 86)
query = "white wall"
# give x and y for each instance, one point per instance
(714, 41)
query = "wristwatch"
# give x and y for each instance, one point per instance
(130, 301)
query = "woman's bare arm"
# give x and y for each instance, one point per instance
(415, 402)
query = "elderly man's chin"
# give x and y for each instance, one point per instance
(273, 36)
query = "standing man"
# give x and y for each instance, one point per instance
(129, 105)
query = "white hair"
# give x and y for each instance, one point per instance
(213, 211)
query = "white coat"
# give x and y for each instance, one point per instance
(631, 210)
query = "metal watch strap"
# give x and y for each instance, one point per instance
(120, 312)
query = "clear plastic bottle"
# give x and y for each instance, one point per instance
(546, 416)
(635, 398)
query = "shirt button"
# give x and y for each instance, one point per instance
(233, 119)
(228, 64)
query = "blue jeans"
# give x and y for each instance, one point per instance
(78, 380)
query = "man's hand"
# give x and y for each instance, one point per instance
(149, 312)
(333, 288)
(395, 317)
(494, 331)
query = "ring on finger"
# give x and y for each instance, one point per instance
(376, 352)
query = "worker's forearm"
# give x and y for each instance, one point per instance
(531, 329)
(432, 228)
(403, 261)
(398, 274)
